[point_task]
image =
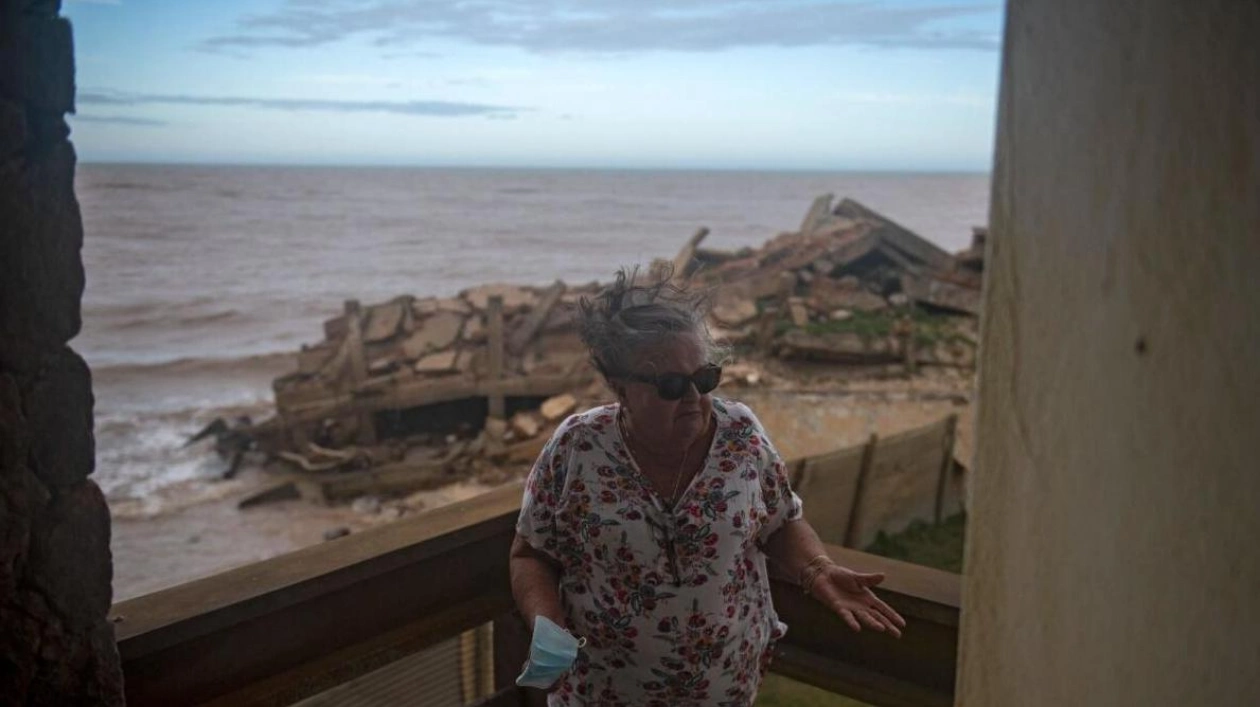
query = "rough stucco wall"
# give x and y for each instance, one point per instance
(1112, 554)
(56, 647)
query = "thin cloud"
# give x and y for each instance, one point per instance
(615, 26)
(118, 120)
(443, 109)
(411, 55)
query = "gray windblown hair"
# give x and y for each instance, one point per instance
(627, 317)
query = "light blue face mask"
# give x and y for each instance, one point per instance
(551, 653)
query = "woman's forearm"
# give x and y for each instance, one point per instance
(792, 547)
(535, 584)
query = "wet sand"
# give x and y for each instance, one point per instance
(203, 538)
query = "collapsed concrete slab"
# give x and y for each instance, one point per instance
(485, 375)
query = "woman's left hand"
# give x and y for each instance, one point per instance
(849, 594)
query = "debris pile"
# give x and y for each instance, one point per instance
(416, 392)
(851, 286)
(431, 339)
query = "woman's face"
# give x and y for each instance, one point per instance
(655, 418)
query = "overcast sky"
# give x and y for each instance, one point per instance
(781, 84)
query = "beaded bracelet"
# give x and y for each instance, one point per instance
(813, 568)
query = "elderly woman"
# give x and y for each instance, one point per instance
(647, 523)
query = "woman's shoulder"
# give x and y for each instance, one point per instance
(734, 413)
(595, 421)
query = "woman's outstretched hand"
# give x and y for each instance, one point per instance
(849, 595)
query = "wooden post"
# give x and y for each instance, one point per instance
(683, 260)
(467, 653)
(765, 328)
(854, 528)
(485, 660)
(525, 333)
(907, 338)
(357, 365)
(494, 335)
(947, 463)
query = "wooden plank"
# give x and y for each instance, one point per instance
(494, 335)
(947, 463)
(262, 631)
(901, 486)
(428, 392)
(354, 342)
(796, 471)
(155, 621)
(682, 261)
(840, 677)
(506, 697)
(340, 666)
(828, 486)
(224, 651)
(525, 333)
(357, 369)
(278, 491)
(385, 479)
(859, 491)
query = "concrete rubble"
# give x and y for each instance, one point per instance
(417, 392)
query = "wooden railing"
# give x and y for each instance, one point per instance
(277, 631)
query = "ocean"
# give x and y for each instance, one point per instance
(202, 279)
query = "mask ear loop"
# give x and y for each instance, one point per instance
(581, 641)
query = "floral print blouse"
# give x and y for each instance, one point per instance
(674, 604)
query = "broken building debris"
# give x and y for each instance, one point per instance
(415, 392)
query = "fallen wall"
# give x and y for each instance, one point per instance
(1111, 535)
(56, 647)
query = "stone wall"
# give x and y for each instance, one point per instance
(1111, 541)
(56, 647)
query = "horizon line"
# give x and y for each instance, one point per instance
(574, 168)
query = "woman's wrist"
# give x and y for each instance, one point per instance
(809, 574)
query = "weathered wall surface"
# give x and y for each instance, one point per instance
(56, 647)
(1112, 552)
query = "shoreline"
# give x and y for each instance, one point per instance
(193, 529)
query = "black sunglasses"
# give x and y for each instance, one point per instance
(673, 386)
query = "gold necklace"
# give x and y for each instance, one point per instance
(625, 433)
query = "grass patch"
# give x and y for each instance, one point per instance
(938, 546)
(929, 329)
(868, 325)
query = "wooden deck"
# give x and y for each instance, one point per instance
(278, 631)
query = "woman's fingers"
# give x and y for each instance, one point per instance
(889, 626)
(858, 609)
(871, 622)
(848, 618)
(870, 580)
(886, 610)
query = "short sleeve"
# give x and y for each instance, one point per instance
(781, 502)
(544, 489)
